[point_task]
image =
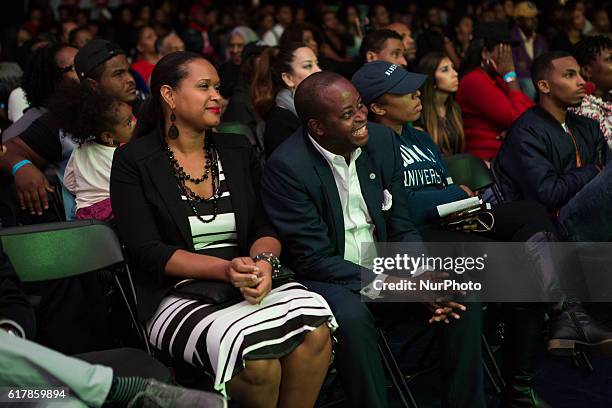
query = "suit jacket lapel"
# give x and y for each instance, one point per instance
(330, 191)
(163, 179)
(372, 193)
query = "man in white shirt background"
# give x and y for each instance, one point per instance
(332, 186)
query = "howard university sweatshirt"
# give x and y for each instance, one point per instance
(426, 179)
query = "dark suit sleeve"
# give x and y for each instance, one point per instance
(304, 234)
(529, 166)
(260, 225)
(13, 303)
(135, 219)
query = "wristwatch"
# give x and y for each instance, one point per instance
(270, 258)
(10, 329)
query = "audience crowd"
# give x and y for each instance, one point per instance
(245, 152)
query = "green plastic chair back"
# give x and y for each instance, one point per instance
(236, 128)
(61, 249)
(469, 170)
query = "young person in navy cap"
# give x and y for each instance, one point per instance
(392, 97)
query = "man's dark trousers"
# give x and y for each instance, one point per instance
(359, 363)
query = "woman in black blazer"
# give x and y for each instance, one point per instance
(187, 205)
(275, 80)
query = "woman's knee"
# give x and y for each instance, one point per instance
(318, 340)
(262, 373)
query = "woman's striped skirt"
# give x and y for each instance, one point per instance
(222, 337)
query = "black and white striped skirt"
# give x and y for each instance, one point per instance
(222, 337)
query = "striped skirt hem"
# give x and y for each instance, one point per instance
(220, 338)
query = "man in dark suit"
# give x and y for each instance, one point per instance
(333, 185)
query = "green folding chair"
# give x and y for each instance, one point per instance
(64, 249)
(472, 172)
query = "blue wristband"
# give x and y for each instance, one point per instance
(19, 165)
(510, 76)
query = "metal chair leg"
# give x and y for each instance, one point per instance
(130, 303)
(399, 382)
(494, 384)
(494, 374)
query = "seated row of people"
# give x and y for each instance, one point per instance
(323, 191)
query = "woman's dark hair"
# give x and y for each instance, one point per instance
(42, 75)
(170, 70)
(136, 34)
(267, 78)
(9, 50)
(295, 33)
(473, 55)
(82, 111)
(428, 66)
(587, 49)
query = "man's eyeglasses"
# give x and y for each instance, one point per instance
(67, 69)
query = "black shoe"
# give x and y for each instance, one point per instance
(160, 395)
(519, 393)
(522, 343)
(574, 330)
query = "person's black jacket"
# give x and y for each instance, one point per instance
(14, 306)
(301, 197)
(148, 208)
(537, 160)
(280, 124)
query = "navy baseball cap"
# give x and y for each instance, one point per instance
(377, 78)
(94, 53)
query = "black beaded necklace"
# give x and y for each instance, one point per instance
(178, 169)
(211, 168)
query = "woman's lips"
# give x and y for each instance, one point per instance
(216, 110)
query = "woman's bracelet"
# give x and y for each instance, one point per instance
(510, 76)
(270, 258)
(19, 165)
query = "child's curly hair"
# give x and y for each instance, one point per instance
(83, 112)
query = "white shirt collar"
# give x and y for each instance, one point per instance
(333, 158)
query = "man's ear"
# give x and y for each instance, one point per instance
(377, 109)
(107, 137)
(371, 56)
(167, 94)
(543, 86)
(316, 127)
(92, 82)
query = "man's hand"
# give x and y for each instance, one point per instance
(254, 295)
(442, 311)
(468, 191)
(32, 188)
